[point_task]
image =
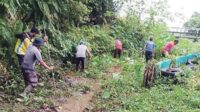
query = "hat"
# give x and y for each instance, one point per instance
(38, 42)
(81, 43)
(35, 30)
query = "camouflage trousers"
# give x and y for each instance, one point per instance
(30, 79)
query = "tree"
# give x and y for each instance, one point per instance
(194, 21)
(103, 11)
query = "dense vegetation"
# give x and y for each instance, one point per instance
(124, 91)
(96, 22)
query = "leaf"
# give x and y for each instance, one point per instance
(18, 3)
(106, 95)
(115, 75)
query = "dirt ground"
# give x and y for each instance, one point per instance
(79, 101)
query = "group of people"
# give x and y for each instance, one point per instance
(29, 54)
(149, 48)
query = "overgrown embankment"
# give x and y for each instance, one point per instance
(67, 22)
(124, 91)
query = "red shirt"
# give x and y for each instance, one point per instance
(118, 44)
(168, 47)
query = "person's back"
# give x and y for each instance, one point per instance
(168, 47)
(81, 51)
(118, 48)
(149, 49)
(30, 58)
(23, 41)
(118, 44)
(150, 46)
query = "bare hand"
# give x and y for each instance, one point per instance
(167, 54)
(91, 55)
(46, 38)
(51, 68)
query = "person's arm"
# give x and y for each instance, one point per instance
(88, 52)
(39, 58)
(144, 48)
(154, 50)
(115, 44)
(46, 38)
(45, 65)
(166, 54)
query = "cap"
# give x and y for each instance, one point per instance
(38, 42)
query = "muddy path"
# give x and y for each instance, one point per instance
(81, 100)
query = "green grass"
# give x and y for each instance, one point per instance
(126, 94)
(45, 94)
(122, 92)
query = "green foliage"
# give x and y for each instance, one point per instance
(59, 19)
(67, 22)
(5, 39)
(154, 11)
(194, 21)
(132, 32)
(186, 46)
(126, 94)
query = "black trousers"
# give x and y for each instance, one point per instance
(148, 55)
(117, 52)
(80, 60)
(20, 59)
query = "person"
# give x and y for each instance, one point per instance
(81, 51)
(166, 50)
(149, 49)
(23, 41)
(118, 48)
(32, 56)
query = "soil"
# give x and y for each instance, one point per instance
(80, 101)
(115, 69)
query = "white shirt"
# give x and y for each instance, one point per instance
(81, 51)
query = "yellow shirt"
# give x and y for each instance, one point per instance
(21, 46)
